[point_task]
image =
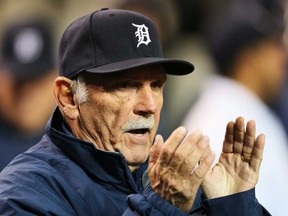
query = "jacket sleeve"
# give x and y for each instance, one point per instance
(149, 203)
(240, 204)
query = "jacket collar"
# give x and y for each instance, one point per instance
(107, 167)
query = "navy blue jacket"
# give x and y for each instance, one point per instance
(62, 175)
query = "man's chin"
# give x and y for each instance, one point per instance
(136, 160)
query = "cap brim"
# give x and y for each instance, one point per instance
(171, 66)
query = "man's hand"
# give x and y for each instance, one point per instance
(173, 167)
(239, 163)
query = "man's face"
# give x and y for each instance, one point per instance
(123, 111)
(271, 64)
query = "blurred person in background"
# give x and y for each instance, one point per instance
(245, 39)
(281, 105)
(27, 71)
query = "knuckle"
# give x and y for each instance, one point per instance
(198, 174)
(166, 154)
(178, 156)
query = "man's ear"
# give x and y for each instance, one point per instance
(65, 97)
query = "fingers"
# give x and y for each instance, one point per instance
(171, 166)
(156, 149)
(180, 157)
(257, 154)
(234, 137)
(239, 134)
(197, 149)
(184, 155)
(171, 144)
(242, 141)
(229, 138)
(249, 140)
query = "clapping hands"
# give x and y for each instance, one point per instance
(239, 164)
(179, 166)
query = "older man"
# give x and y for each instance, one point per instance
(93, 159)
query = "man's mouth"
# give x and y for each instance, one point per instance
(140, 126)
(139, 131)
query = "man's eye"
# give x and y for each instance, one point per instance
(157, 84)
(123, 85)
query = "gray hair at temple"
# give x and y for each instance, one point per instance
(79, 88)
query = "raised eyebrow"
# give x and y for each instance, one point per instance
(162, 79)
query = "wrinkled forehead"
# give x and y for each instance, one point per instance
(153, 72)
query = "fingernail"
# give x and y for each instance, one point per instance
(182, 130)
(205, 140)
(197, 133)
(159, 139)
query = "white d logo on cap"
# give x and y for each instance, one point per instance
(143, 34)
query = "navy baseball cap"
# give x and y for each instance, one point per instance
(27, 49)
(113, 40)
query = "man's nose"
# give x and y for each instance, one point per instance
(146, 101)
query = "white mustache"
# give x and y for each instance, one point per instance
(141, 123)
